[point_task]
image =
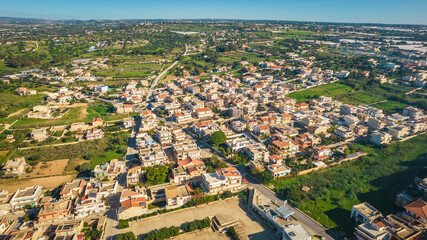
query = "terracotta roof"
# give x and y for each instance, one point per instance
(418, 207)
(228, 172)
(203, 109)
(272, 157)
(281, 143)
(127, 193)
(262, 127)
(188, 161)
(147, 112)
(202, 124)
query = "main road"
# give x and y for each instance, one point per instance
(161, 75)
(157, 79)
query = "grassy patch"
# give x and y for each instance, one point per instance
(11, 102)
(73, 115)
(391, 106)
(332, 89)
(96, 151)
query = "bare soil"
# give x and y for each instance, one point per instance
(12, 185)
(44, 169)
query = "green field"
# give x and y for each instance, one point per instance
(375, 178)
(391, 106)
(11, 102)
(332, 89)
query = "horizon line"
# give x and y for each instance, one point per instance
(194, 19)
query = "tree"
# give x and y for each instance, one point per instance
(263, 176)
(156, 175)
(61, 58)
(123, 224)
(217, 138)
(226, 194)
(83, 167)
(126, 236)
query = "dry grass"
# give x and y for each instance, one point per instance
(44, 169)
(11, 185)
(73, 163)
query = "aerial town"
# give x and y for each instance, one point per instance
(212, 130)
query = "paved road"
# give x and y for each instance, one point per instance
(111, 228)
(156, 80)
(7, 126)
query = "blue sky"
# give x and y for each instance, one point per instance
(360, 11)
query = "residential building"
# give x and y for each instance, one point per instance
(163, 135)
(133, 176)
(97, 122)
(5, 206)
(417, 210)
(203, 113)
(182, 117)
(364, 213)
(222, 180)
(204, 128)
(127, 122)
(186, 149)
(72, 190)
(278, 171)
(109, 170)
(24, 91)
(102, 189)
(343, 132)
(322, 153)
(380, 138)
(373, 230)
(376, 124)
(88, 205)
(399, 131)
(413, 113)
(177, 196)
(303, 141)
(238, 142)
(284, 149)
(153, 156)
(92, 134)
(55, 211)
(28, 196)
(39, 134)
(347, 109)
(15, 166)
(295, 232)
(132, 204)
(262, 129)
